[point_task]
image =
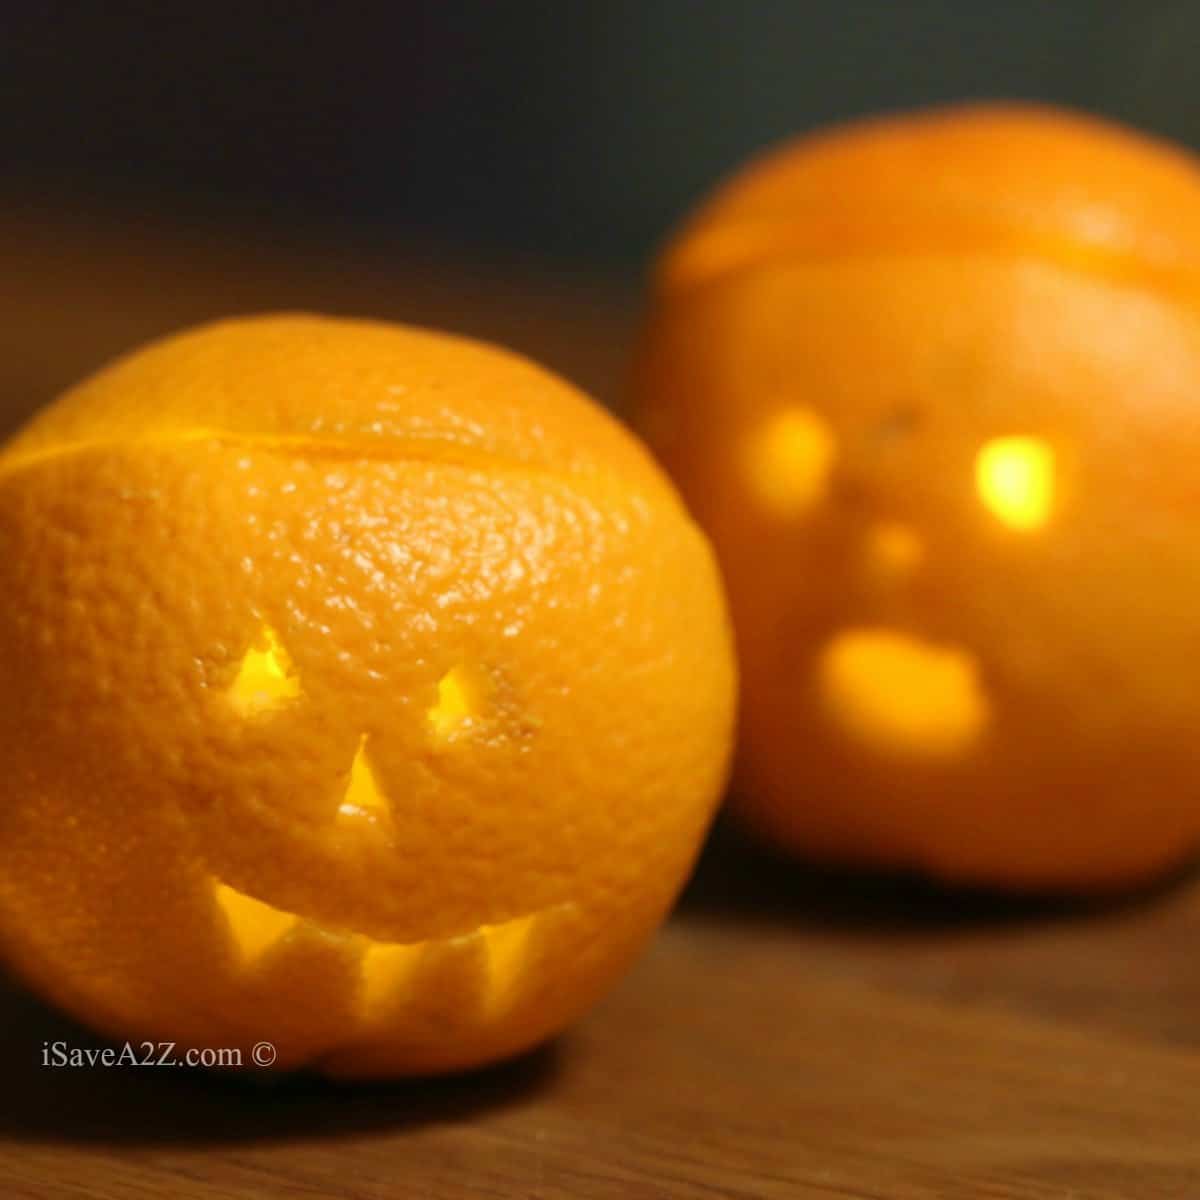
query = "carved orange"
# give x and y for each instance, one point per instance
(930, 382)
(362, 689)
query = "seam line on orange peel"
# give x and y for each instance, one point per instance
(1076, 258)
(398, 451)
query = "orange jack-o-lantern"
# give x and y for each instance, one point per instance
(362, 690)
(932, 385)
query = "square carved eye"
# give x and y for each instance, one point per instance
(788, 462)
(1015, 480)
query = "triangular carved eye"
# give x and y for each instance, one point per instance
(266, 679)
(363, 798)
(460, 697)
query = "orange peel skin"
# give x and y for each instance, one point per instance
(363, 689)
(929, 381)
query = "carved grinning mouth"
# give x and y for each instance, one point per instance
(494, 954)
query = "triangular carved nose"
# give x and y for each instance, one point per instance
(363, 799)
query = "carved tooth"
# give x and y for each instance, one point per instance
(387, 973)
(507, 948)
(457, 980)
(254, 926)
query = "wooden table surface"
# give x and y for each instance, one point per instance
(789, 1034)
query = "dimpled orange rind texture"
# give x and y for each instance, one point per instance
(363, 689)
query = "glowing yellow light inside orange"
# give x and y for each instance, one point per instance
(265, 679)
(363, 797)
(788, 461)
(459, 696)
(253, 925)
(901, 695)
(1015, 480)
(507, 952)
(387, 972)
(484, 966)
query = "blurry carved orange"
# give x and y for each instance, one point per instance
(932, 384)
(362, 689)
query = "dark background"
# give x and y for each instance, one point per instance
(576, 131)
